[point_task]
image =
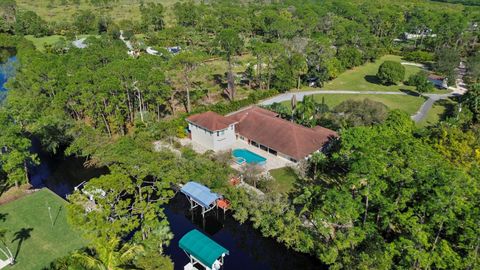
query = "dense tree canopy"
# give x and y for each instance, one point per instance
(384, 198)
(386, 195)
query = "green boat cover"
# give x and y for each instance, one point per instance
(201, 247)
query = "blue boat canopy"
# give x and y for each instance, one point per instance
(200, 194)
(202, 248)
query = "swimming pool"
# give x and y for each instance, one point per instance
(244, 155)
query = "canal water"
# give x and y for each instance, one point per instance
(7, 68)
(248, 249)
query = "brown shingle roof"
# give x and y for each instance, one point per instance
(240, 114)
(436, 77)
(278, 134)
(210, 120)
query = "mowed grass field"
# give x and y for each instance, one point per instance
(285, 179)
(408, 104)
(40, 42)
(30, 233)
(363, 78)
(117, 10)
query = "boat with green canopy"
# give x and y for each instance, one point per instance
(202, 250)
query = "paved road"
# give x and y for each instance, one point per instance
(432, 98)
(299, 95)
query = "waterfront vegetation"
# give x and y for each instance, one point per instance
(386, 194)
(37, 230)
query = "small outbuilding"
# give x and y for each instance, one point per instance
(438, 81)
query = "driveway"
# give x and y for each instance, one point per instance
(417, 117)
(299, 95)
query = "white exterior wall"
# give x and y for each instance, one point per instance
(201, 136)
(225, 138)
(210, 140)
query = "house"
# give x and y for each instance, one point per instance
(419, 35)
(438, 81)
(211, 130)
(174, 50)
(260, 128)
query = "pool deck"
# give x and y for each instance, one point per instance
(273, 162)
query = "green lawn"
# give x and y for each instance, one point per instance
(48, 40)
(285, 178)
(40, 42)
(118, 10)
(28, 219)
(409, 104)
(363, 78)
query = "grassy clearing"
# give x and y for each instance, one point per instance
(363, 78)
(409, 104)
(119, 10)
(48, 40)
(285, 179)
(42, 41)
(437, 113)
(30, 230)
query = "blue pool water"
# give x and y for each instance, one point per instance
(248, 156)
(7, 70)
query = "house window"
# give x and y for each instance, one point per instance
(273, 152)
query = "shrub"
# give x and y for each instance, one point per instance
(419, 56)
(391, 72)
(352, 113)
(421, 82)
(350, 57)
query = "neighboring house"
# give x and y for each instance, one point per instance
(438, 81)
(260, 128)
(420, 35)
(80, 43)
(174, 50)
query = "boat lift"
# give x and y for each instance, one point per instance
(202, 250)
(201, 196)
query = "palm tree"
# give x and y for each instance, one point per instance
(7, 252)
(307, 110)
(108, 257)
